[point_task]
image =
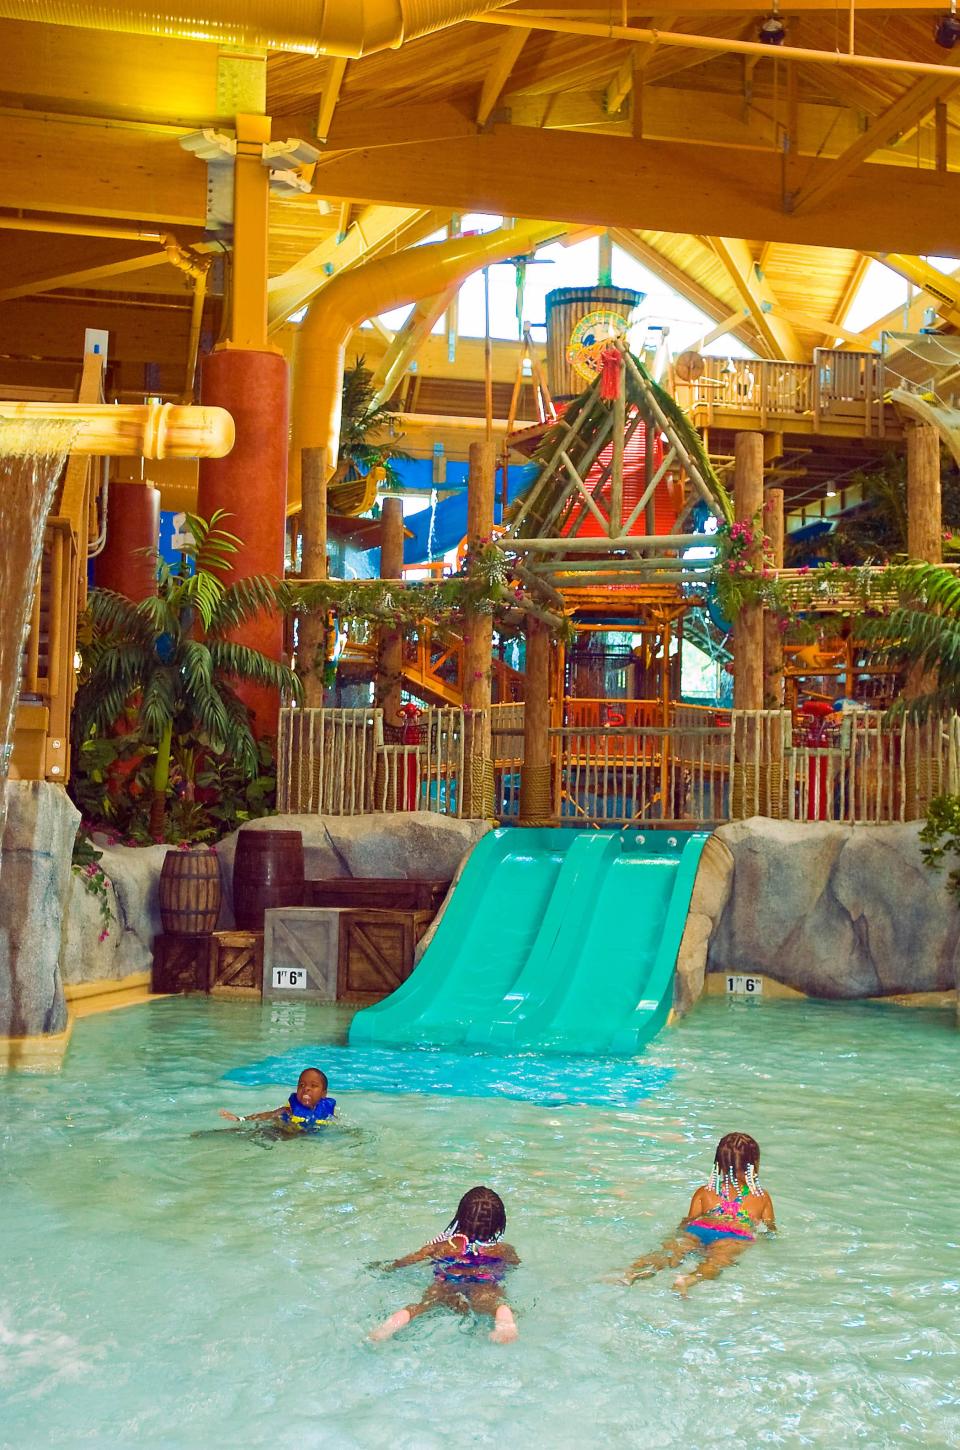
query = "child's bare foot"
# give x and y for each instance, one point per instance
(683, 1282)
(231, 1117)
(389, 1327)
(504, 1329)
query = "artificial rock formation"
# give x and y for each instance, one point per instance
(711, 892)
(417, 846)
(34, 880)
(836, 911)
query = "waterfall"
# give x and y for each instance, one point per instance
(32, 455)
(431, 533)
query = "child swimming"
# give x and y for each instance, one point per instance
(469, 1263)
(303, 1109)
(725, 1215)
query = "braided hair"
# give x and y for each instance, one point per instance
(480, 1217)
(737, 1160)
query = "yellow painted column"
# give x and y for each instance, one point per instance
(249, 378)
(251, 201)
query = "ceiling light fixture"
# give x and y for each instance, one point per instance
(773, 31)
(946, 31)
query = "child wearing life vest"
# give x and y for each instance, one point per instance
(303, 1109)
(725, 1215)
(469, 1265)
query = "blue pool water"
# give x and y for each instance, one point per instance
(546, 1081)
(169, 1285)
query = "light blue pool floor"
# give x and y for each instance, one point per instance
(167, 1290)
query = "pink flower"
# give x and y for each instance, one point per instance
(103, 935)
(804, 569)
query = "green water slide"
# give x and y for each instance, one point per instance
(553, 941)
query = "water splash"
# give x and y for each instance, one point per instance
(32, 455)
(431, 532)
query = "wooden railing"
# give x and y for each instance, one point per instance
(704, 768)
(338, 762)
(839, 388)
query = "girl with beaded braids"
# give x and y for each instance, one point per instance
(725, 1215)
(469, 1264)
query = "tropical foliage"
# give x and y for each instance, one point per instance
(923, 632)
(940, 836)
(363, 420)
(166, 668)
(876, 532)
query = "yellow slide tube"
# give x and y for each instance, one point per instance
(363, 292)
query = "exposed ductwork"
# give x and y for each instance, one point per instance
(363, 292)
(348, 28)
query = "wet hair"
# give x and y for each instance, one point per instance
(480, 1215)
(321, 1075)
(736, 1153)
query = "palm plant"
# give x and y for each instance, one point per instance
(171, 656)
(361, 419)
(923, 633)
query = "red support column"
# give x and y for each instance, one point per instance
(251, 484)
(133, 524)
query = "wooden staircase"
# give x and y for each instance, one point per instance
(433, 662)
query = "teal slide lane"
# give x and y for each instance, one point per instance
(553, 941)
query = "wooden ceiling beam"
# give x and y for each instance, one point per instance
(759, 298)
(499, 73)
(614, 182)
(89, 168)
(49, 283)
(715, 307)
(915, 103)
(330, 95)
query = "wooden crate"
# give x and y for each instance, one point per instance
(300, 953)
(236, 959)
(376, 951)
(181, 963)
(378, 893)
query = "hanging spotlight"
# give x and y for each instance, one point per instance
(773, 31)
(946, 31)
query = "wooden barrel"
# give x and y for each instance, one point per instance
(565, 306)
(267, 872)
(189, 892)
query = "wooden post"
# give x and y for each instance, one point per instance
(772, 634)
(390, 637)
(924, 544)
(773, 802)
(478, 637)
(313, 526)
(746, 790)
(536, 802)
(748, 629)
(924, 528)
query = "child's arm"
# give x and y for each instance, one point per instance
(766, 1214)
(251, 1117)
(508, 1254)
(427, 1252)
(698, 1205)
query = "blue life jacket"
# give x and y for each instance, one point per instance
(298, 1115)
